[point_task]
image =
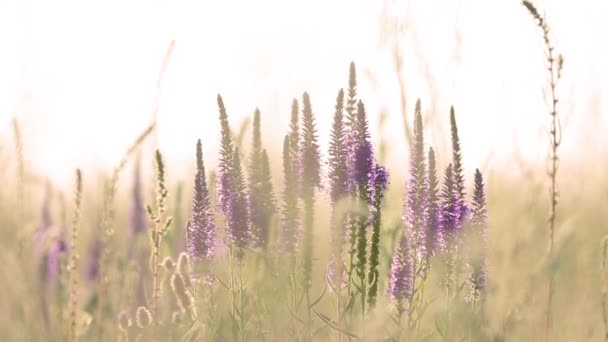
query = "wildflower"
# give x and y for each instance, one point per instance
(478, 231)
(434, 239)
(416, 205)
(200, 230)
(52, 258)
(458, 172)
(402, 271)
(338, 175)
(380, 183)
(238, 219)
(337, 153)
(233, 199)
(351, 101)
(361, 155)
(310, 179)
(294, 133)
(450, 211)
(361, 163)
(289, 222)
(260, 186)
(94, 256)
(225, 168)
(309, 164)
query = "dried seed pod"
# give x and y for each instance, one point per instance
(124, 321)
(183, 268)
(183, 297)
(177, 317)
(143, 317)
(168, 264)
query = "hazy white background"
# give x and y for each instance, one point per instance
(81, 75)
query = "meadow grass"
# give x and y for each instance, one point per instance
(307, 249)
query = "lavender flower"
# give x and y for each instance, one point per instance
(310, 179)
(450, 210)
(351, 101)
(294, 134)
(401, 279)
(451, 230)
(52, 258)
(380, 183)
(289, 222)
(266, 197)
(225, 182)
(478, 231)
(49, 242)
(337, 153)
(232, 195)
(238, 218)
(94, 255)
(361, 155)
(338, 176)
(260, 186)
(46, 222)
(309, 164)
(458, 172)
(200, 230)
(416, 205)
(434, 238)
(361, 163)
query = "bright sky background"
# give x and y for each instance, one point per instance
(81, 75)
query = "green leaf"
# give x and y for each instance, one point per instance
(312, 305)
(167, 224)
(330, 323)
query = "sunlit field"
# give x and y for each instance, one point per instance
(381, 212)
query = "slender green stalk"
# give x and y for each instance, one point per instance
(339, 309)
(362, 259)
(308, 250)
(160, 230)
(242, 302)
(73, 268)
(604, 269)
(412, 300)
(449, 287)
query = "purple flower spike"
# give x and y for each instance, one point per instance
(200, 231)
(458, 172)
(434, 237)
(337, 153)
(290, 229)
(402, 271)
(478, 230)
(238, 218)
(52, 259)
(309, 158)
(380, 183)
(46, 222)
(94, 254)
(225, 180)
(450, 210)
(416, 203)
(361, 158)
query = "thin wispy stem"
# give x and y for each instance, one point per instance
(554, 67)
